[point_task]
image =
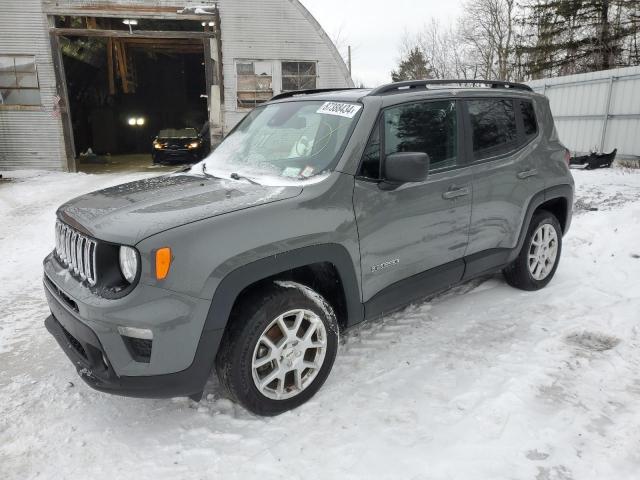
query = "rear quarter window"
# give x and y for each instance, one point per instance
(493, 127)
(529, 121)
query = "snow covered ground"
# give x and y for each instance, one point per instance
(483, 382)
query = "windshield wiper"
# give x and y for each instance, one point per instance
(208, 175)
(235, 176)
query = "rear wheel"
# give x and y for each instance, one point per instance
(540, 254)
(279, 349)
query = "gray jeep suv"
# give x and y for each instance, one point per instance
(319, 210)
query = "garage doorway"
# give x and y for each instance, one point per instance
(127, 79)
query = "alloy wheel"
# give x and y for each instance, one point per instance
(289, 354)
(543, 251)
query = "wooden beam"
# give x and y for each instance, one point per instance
(162, 41)
(122, 65)
(82, 32)
(50, 7)
(112, 81)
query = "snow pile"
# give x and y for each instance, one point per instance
(483, 382)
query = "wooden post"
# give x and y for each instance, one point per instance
(112, 82)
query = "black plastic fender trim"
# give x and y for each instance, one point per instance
(558, 191)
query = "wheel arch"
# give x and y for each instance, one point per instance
(558, 200)
(307, 264)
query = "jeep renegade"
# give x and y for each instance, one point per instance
(319, 210)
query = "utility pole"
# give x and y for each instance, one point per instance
(349, 58)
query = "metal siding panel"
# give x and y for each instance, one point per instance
(586, 95)
(30, 138)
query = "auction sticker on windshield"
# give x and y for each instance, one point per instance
(348, 110)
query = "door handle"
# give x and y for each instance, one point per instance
(454, 192)
(527, 173)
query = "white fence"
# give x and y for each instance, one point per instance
(596, 111)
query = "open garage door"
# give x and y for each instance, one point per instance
(128, 81)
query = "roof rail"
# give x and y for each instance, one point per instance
(412, 84)
(295, 93)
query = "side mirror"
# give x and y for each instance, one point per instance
(405, 167)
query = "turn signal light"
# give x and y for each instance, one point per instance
(163, 262)
(567, 156)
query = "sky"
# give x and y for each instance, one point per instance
(375, 28)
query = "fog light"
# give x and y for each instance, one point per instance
(141, 333)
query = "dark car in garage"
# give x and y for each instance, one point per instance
(179, 145)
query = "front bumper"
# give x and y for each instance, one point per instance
(85, 326)
(85, 352)
(176, 155)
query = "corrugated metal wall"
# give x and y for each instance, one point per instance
(30, 138)
(596, 111)
(274, 30)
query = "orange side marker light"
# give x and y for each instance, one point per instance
(163, 262)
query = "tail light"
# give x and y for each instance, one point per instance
(567, 156)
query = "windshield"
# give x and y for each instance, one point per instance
(178, 133)
(284, 141)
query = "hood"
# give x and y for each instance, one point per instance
(130, 212)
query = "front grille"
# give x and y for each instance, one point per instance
(77, 252)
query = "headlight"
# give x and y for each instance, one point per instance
(128, 263)
(194, 145)
(158, 146)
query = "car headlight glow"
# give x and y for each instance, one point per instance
(128, 263)
(194, 145)
(158, 145)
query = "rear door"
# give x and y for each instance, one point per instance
(417, 226)
(502, 136)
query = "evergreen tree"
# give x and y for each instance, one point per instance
(575, 36)
(412, 67)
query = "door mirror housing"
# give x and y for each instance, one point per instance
(406, 167)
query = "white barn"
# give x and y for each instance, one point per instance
(250, 51)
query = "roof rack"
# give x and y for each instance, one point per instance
(412, 84)
(295, 93)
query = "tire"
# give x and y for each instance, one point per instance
(535, 273)
(254, 325)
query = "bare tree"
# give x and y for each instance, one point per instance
(488, 28)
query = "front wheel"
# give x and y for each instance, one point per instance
(279, 349)
(538, 259)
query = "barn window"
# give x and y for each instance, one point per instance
(298, 76)
(255, 83)
(19, 80)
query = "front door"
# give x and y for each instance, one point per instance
(417, 226)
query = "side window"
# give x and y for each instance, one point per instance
(429, 127)
(370, 166)
(298, 76)
(19, 80)
(493, 125)
(528, 118)
(254, 83)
